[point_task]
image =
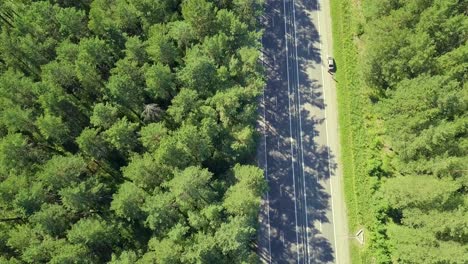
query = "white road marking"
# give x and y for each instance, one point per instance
(300, 132)
(328, 149)
(266, 169)
(290, 124)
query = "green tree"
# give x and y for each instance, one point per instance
(187, 146)
(53, 128)
(29, 199)
(160, 81)
(145, 172)
(72, 22)
(160, 48)
(217, 49)
(106, 18)
(92, 143)
(93, 61)
(152, 12)
(126, 85)
(122, 135)
(417, 245)
(104, 115)
(248, 10)
(15, 119)
(15, 89)
(42, 251)
(61, 171)
(200, 15)
(192, 188)
(233, 238)
(73, 253)
(126, 257)
(15, 154)
(152, 134)
(32, 37)
(233, 106)
(127, 202)
(183, 105)
(135, 50)
(243, 146)
(52, 219)
(199, 73)
(431, 129)
(22, 236)
(181, 32)
(203, 248)
(86, 197)
(162, 214)
(431, 192)
(62, 74)
(209, 218)
(67, 51)
(96, 234)
(243, 198)
(236, 31)
(165, 251)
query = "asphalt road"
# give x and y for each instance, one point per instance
(302, 219)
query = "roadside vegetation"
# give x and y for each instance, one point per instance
(126, 131)
(403, 102)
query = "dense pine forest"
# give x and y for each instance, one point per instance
(410, 139)
(127, 129)
(418, 62)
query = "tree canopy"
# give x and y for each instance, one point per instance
(126, 131)
(416, 59)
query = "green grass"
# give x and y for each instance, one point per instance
(357, 128)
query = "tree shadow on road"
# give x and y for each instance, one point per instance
(318, 161)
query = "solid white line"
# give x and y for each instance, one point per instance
(290, 126)
(300, 134)
(328, 149)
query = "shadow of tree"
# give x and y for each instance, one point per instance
(288, 211)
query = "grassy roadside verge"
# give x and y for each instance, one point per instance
(358, 133)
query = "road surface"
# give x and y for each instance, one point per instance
(303, 217)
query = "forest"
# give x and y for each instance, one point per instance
(411, 185)
(127, 131)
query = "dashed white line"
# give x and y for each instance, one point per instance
(266, 176)
(266, 169)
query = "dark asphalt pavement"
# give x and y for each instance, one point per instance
(296, 221)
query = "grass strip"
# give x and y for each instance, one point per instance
(357, 131)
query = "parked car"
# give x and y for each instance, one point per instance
(331, 64)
